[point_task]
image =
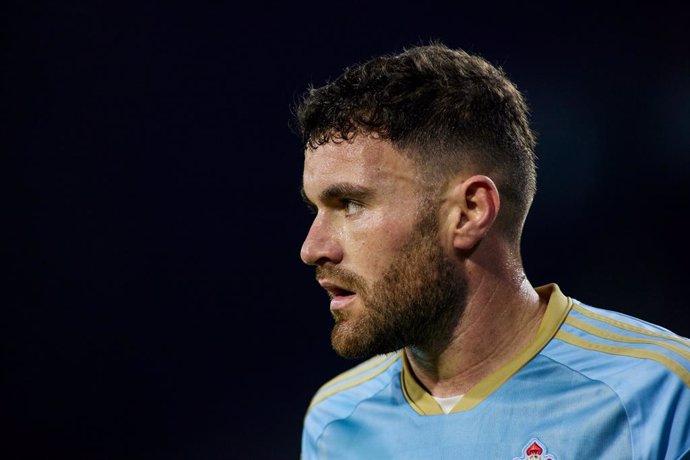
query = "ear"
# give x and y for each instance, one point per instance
(475, 204)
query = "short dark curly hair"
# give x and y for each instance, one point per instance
(448, 110)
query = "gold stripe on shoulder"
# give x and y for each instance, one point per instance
(629, 327)
(603, 333)
(320, 396)
(676, 368)
(360, 368)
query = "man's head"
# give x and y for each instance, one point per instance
(385, 145)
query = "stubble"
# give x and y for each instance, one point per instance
(417, 302)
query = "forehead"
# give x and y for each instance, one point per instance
(363, 160)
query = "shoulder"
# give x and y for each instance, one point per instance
(607, 342)
(646, 366)
(340, 396)
(356, 383)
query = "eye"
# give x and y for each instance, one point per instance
(350, 206)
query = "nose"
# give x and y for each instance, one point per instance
(321, 246)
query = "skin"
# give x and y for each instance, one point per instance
(363, 235)
(343, 235)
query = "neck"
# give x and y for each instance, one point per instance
(500, 319)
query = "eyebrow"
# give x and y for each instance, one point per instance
(338, 191)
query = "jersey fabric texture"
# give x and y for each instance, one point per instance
(593, 384)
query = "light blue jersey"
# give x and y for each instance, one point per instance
(593, 384)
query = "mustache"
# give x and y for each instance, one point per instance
(344, 278)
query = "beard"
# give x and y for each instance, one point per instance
(418, 300)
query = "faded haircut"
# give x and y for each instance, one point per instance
(450, 111)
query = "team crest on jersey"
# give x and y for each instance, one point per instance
(535, 450)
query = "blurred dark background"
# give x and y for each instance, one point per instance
(153, 303)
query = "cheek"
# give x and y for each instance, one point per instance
(374, 245)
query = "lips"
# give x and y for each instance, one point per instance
(335, 290)
(340, 296)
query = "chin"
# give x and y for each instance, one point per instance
(348, 343)
(353, 342)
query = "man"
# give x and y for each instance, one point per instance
(420, 169)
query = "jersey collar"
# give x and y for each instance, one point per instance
(423, 403)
